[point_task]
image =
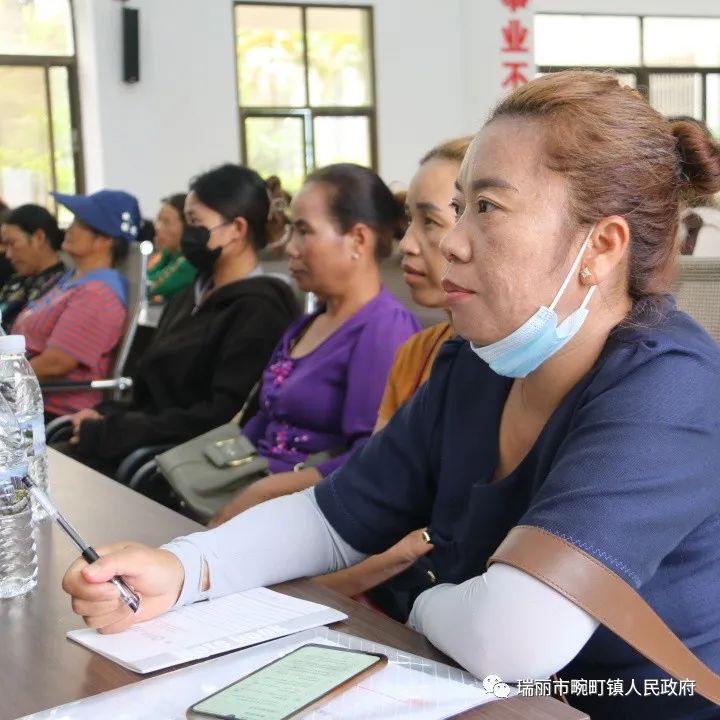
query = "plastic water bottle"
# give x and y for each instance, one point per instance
(21, 390)
(18, 557)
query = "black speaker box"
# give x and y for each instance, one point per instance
(131, 44)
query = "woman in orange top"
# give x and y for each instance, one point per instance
(430, 215)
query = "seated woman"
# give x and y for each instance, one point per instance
(170, 272)
(213, 339)
(583, 409)
(72, 331)
(31, 239)
(325, 380)
(428, 205)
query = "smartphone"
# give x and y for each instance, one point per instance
(291, 686)
(231, 452)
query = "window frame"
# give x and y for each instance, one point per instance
(642, 72)
(69, 62)
(309, 112)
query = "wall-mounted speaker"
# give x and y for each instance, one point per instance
(131, 44)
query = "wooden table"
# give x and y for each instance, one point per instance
(41, 668)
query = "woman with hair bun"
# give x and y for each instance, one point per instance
(578, 409)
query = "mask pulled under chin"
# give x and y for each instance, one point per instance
(540, 336)
(194, 244)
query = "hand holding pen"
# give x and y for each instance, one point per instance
(126, 592)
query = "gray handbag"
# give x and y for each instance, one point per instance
(209, 470)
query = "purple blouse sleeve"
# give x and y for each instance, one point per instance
(367, 373)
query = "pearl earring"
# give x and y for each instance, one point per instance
(586, 273)
(355, 256)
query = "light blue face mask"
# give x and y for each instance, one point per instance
(539, 337)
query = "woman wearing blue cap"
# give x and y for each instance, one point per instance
(72, 331)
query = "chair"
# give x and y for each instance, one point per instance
(136, 467)
(697, 291)
(134, 267)
(150, 313)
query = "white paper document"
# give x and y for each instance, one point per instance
(208, 628)
(409, 688)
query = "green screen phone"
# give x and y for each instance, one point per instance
(291, 686)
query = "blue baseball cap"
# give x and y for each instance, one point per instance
(112, 212)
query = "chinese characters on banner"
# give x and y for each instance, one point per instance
(515, 47)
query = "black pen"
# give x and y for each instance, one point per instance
(126, 592)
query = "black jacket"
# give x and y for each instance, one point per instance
(199, 367)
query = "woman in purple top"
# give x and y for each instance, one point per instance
(322, 388)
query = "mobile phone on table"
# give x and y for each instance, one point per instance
(291, 686)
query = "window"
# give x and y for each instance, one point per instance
(674, 61)
(305, 87)
(39, 148)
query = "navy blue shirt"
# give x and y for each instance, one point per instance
(626, 468)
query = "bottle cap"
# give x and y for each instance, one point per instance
(12, 345)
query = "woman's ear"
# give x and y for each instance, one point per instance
(607, 248)
(241, 230)
(38, 239)
(362, 240)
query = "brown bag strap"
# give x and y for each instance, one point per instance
(608, 598)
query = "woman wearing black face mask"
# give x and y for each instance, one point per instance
(214, 338)
(195, 247)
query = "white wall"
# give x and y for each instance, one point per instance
(706, 8)
(151, 137)
(438, 73)
(482, 37)
(419, 81)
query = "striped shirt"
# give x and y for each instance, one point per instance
(85, 321)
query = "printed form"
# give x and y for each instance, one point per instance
(208, 628)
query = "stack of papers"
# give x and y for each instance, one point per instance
(208, 628)
(409, 688)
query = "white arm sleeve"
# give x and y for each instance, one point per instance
(279, 540)
(503, 622)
